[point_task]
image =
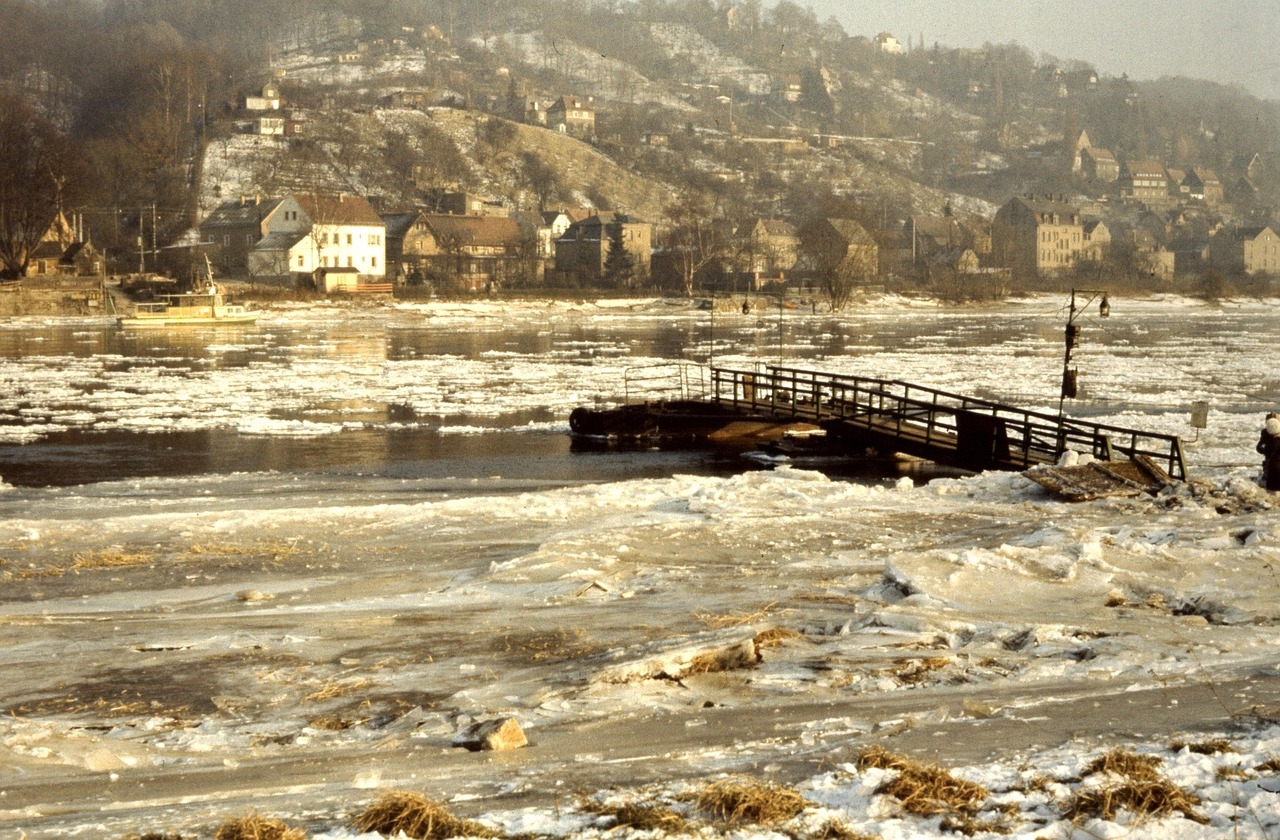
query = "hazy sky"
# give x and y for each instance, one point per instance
(1229, 41)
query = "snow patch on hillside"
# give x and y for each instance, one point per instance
(681, 42)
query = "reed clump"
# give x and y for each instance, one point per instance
(920, 788)
(736, 801)
(258, 827)
(415, 816)
(1134, 784)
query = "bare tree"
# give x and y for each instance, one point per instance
(853, 270)
(36, 163)
(696, 240)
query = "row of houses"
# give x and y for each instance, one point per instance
(340, 241)
(1047, 235)
(1151, 182)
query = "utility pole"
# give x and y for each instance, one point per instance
(1070, 375)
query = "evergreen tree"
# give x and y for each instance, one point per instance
(619, 266)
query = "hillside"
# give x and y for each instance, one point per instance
(762, 110)
(246, 165)
(753, 124)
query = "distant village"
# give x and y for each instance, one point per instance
(1136, 221)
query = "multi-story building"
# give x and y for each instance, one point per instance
(1043, 235)
(1204, 185)
(308, 233)
(233, 229)
(1144, 180)
(584, 248)
(1253, 250)
(573, 115)
(1099, 165)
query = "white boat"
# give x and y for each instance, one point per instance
(204, 308)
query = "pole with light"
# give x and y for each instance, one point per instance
(1070, 375)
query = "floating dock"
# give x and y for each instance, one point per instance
(860, 414)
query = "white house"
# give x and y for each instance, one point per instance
(888, 44)
(268, 101)
(308, 232)
(269, 126)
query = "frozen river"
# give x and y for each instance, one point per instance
(279, 568)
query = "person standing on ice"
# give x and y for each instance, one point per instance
(1269, 447)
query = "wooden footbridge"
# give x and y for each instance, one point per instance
(888, 416)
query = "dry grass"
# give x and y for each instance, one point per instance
(1141, 790)
(924, 789)
(333, 723)
(273, 550)
(969, 825)
(417, 817)
(913, 671)
(1130, 765)
(109, 559)
(117, 558)
(548, 645)
(122, 706)
(715, 622)
(1271, 765)
(719, 660)
(1234, 774)
(640, 816)
(1217, 746)
(255, 827)
(775, 636)
(1145, 800)
(836, 830)
(736, 801)
(155, 835)
(337, 688)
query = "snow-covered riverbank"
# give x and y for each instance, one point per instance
(184, 649)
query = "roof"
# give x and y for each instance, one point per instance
(938, 227)
(245, 211)
(340, 209)
(776, 227)
(853, 233)
(605, 217)
(1098, 154)
(576, 102)
(1044, 204)
(1250, 233)
(398, 224)
(279, 241)
(492, 231)
(1145, 168)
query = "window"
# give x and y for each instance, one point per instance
(324, 239)
(348, 239)
(350, 262)
(226, 240)
(248, 239)
(300, 260)
(374, 261)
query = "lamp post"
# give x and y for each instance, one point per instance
(1070, 375)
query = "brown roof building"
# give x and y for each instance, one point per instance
(1042, 235)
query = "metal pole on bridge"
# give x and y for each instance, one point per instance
(1070, 375)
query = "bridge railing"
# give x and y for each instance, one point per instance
(679, 380)
(930, 417)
